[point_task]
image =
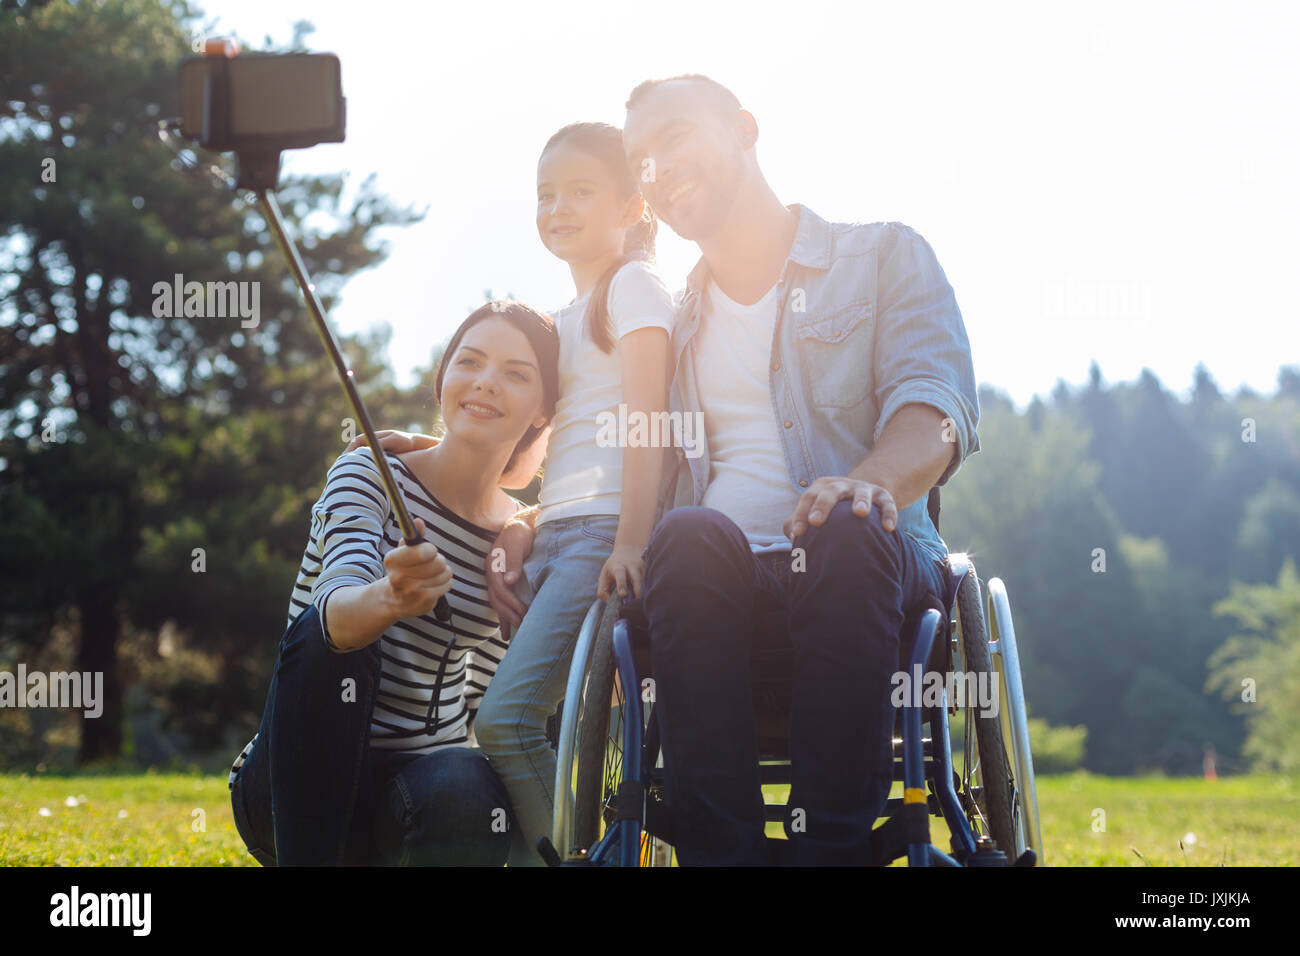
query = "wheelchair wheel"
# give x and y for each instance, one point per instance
(1013, 720)
(600, 751)
(986, 774)
(600, 739)
(570, 720)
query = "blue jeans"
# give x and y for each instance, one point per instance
(314, 793)
(715, 612)
(560, 578)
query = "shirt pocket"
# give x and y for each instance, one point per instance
(836, 351)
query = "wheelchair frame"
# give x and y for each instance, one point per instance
(963, 800)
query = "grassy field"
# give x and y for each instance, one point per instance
(118, 820)
(179, 820)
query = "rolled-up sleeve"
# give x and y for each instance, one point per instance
(922, 353)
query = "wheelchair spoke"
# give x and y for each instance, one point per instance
(613, 772)
(986, 777)
(971, 782)
(601, 761)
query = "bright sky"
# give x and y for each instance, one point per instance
(1106, 180)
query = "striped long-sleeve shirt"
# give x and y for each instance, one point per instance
(353, 528)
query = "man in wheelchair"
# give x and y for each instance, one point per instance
(833, 371)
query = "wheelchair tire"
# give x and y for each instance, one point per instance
(599, 752)
(1014, 718)
(991, 773)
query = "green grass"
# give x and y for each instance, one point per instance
(159, 828)
(1241, 821)
(1237, 821)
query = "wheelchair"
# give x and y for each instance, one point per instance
(610, 805)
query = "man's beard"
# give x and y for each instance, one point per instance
(706, 217)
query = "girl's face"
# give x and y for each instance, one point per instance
(580, 215)
(492, 387)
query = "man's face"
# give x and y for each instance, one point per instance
(687, 157)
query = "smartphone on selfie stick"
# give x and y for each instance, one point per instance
(256, 106)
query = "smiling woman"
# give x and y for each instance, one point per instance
(464, 382)
(366, 748)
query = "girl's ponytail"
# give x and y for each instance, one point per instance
(640, 240)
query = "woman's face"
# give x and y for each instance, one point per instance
(492, 387)
(580, 215)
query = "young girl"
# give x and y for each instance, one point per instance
(597, 503)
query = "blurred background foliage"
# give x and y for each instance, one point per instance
(1186, 501)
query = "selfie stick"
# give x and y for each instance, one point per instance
(442, 611)
(259, 171)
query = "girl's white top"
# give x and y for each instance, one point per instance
(584, 467)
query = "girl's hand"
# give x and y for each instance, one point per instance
(623, 570)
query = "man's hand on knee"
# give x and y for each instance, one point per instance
(815, 504)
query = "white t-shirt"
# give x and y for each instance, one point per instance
(749, 480)
(582, 477)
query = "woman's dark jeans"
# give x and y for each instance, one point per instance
(313, 792)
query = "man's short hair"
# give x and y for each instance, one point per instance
(719, 97)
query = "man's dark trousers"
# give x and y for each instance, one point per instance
(841, 602)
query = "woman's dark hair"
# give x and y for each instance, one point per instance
(539, 329)
(605, 143)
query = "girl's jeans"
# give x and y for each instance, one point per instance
(313, 792)
(560, 575)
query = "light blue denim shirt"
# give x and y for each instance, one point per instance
(867, 323)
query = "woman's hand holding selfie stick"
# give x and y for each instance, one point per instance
(505, 560)
(417, 578)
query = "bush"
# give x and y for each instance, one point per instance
(1056, 749)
